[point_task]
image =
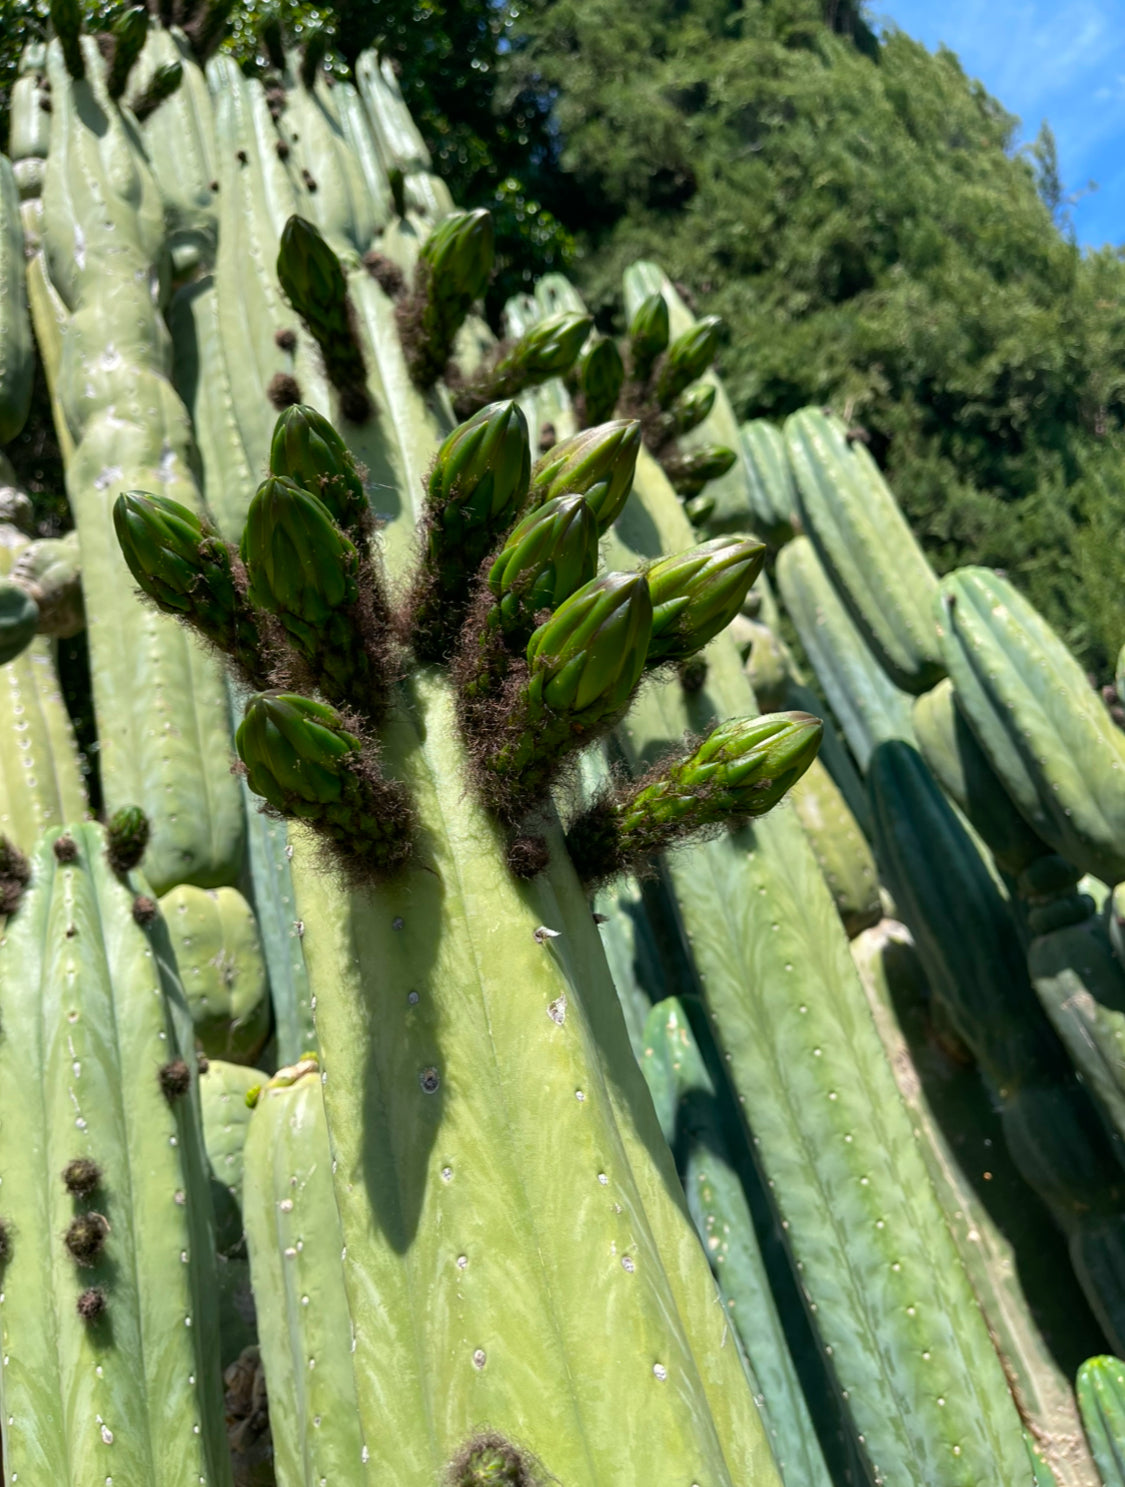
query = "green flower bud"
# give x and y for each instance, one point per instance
(589, 655)
(551, 554)
(648, 335)
(690, 470)
(308, 450)
(294, 750)
(127, 834)
(165, 81)
(66, 18)
(688, 357)
(129, 32)
(548, 349)
(308, 270)
(301, 566)
(697, 593)
(479, 482)
(692, 407)
(19, 620)
(601, 374)
(740, 771)
(173, 557)
(459, 254)
(597, 463)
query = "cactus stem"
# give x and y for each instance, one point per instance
(5, 1242)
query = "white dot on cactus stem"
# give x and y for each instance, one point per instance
(479, 1358)
(660, 1371)
(557, 1010)
(183, 1257)
(180, 1197)
(627, 1264)
(398, 922)
(286, 1205)
(543, 934)
(462, 1261)
(304, 1301)
(579, 1094)
(80, 1123)
(430, 1080)
(603, 1179)
(412, 998)
(447, 1174)
(107, 1435)
(364, 1456)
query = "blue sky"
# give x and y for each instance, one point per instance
(1059, 60)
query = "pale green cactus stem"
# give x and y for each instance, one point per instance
(769, 476)
(163, 720)
(49, 572)
(110, 1334)
(1101, 1398)
(305, 1329)
(219, 955)
(17, 349)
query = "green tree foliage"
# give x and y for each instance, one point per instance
(857, 213)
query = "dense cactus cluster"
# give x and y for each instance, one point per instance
(477, 1047)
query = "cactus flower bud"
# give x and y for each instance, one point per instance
(304, 762)
(476, 490)
(740, 771)
(601, 374)
(308, 450)
(697, 593)
(165, 81)
(66, 18)
(301, 566)
(453, 270)
(313, 281)
(128, 32)
(648, 335)
(547, 349)
(692, 407)
(690, 470)
(687, 358)
(589, 655)
(597, 463)
(551, 554)
(186, 569)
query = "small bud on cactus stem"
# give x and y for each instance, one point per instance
(313, 281)
(598, 463)
(740, 771)
(697, 593)
(548, 349)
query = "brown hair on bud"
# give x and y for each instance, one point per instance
(528, 856)
(15, 873)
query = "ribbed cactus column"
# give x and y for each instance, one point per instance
(110, 1337)
(161, 703)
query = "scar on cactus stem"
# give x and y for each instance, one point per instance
(86, 1237)
(15, 873)
(175, 1079)
(385, 272)
(144, 909)
(491, 1460)
(65, 849)
(91, 1305)
(127, 837)
(283, 391)
(81, 1176)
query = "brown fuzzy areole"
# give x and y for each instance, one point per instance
(470, 394)
(81, 1176)
(15, 874)
(286, 338)
(175, 1079)
(528, 856)
(65, 849)
(284, 391)
(91, 1305)
(386, 273)
(86, 1237)
(145, 910)
(5, 1242)
(425, 360)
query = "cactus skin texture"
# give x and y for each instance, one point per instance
(1101, 1398)
(305, 1330)
(868, 705)
(685, 1099)
(790, 1017)
(769, 475)
(222, 969)
(92, 1012)
(1081, 984)
(969, 943)
(839, 846)
(223, 1091)
(493, 1062)
(1017, 1266)
(1045, 731)
(950, 749)
(867, 547)
(17, 351)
